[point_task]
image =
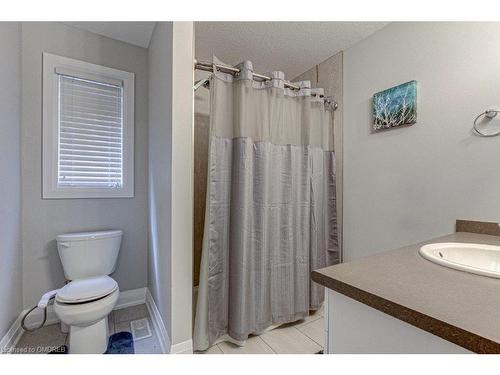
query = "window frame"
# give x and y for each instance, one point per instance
(50, 127)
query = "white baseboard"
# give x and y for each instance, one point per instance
(36, 317)
(185, 347)
(11, 338)
(132, 297)
(158, 323)
(127, 298)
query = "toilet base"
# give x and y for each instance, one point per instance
(91, 339)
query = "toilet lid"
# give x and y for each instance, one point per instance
(84, 290)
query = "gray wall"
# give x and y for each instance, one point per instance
(405, 185)
(160, 169)
(10, 175)
(44, 219)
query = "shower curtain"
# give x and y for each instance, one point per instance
(271, 211)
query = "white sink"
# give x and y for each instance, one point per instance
(469, 257)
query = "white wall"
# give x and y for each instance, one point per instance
(182, 185)
(160, 169)
(10, 175)
(405, 185)
(170, 177)
(44, 219)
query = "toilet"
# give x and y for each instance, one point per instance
(90, 295)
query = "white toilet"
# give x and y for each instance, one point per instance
(85, 302)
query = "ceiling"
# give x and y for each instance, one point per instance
(291, 47)
(137, 33)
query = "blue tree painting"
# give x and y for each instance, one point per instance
(396, 106)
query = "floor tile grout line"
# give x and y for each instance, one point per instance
(310, 338)
(270, 347)
(307, 337)
(301, 324)
(268, 344)
(257, 337)
(306, 324)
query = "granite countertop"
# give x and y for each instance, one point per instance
(460, 307)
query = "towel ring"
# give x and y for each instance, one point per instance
(490, 114)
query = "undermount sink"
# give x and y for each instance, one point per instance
(469, 257)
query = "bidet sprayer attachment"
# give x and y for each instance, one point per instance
(44, 301)
(42, 304)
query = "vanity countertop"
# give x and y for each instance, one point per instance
(457, 306)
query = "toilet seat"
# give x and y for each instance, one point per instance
(86, 290)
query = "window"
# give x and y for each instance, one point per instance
(88, 130)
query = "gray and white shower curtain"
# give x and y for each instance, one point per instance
(271, 206)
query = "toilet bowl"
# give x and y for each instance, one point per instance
(85, 302)
(84, 306)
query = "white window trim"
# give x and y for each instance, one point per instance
(50, 189)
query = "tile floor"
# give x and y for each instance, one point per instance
(303, 337)
(50, 337)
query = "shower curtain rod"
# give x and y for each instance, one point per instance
(229, 69)
(209, 67)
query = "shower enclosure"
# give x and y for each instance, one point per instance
(270, 202)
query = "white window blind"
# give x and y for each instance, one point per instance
(90, 131)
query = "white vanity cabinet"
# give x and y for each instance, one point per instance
(355, 328)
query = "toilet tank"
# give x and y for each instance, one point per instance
(89, 254)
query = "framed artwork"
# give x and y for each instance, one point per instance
(395, 107)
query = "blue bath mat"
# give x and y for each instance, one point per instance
(120, 343)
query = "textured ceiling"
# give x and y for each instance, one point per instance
(292, 47)
(138, 33)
